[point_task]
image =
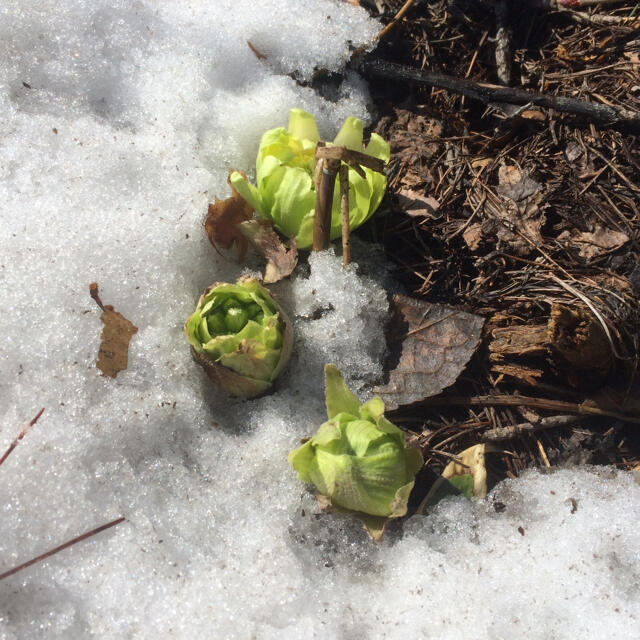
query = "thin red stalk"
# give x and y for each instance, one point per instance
(22, 434)
(67, 544)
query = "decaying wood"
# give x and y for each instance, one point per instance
(579, 345)
(518, 340)
(528, 375)
(572, 339)
(598, 113)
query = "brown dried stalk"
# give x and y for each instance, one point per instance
(21, 435)
(344, 210)
(332, 159)
(61, 547)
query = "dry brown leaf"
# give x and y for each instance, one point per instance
(263, 238)
(517, 219)
(533, 114)
(632, 56)
(473, 235)
(481, 163)
(471, 461)
(222, 219)
(416, 204)
(516, 184)
(117, 332)
(429, 346)
(595, 243)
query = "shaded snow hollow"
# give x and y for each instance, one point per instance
(119, 123)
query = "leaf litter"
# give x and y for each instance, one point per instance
(117, 331)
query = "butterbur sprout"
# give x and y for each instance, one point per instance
(241, 336)
(358, 459)
(285, 191)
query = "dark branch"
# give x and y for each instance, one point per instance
(599, 113)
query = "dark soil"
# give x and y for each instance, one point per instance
(525, 216)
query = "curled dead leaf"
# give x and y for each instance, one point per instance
(264, 239)
(471, 463)
(416, 204)
(594, 243)
(223, 217)
(429, 346)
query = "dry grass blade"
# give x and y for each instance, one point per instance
(61, 547)
(21, 435)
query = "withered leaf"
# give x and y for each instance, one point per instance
(117, 332)
(416, 204)
(594, 243)
(263, 238)
(429, 346)
(473, 235)
(516, 184)
(517, 219)
(222, 219)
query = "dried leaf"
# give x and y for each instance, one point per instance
(516, 184)
(595, 243)
(117, 332)
(517, 219)
(471, 464)
(222, 219)
(480, 163)
(429, 345)
(417, 205)
(473, 235)
(263, 238)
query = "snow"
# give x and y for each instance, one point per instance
(120, 121)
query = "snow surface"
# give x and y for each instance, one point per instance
(120, 120)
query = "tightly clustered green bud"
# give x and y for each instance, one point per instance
(358, 459)
(241, 336)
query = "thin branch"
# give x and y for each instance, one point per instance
(506, 433)
(21, 435)
(525, 401)
(600, 113)
(61, 547)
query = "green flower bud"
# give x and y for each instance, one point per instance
(252, 309)
(285, 191)
(216, 323)
(242, 354)
(236, 318)
(358, 459)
